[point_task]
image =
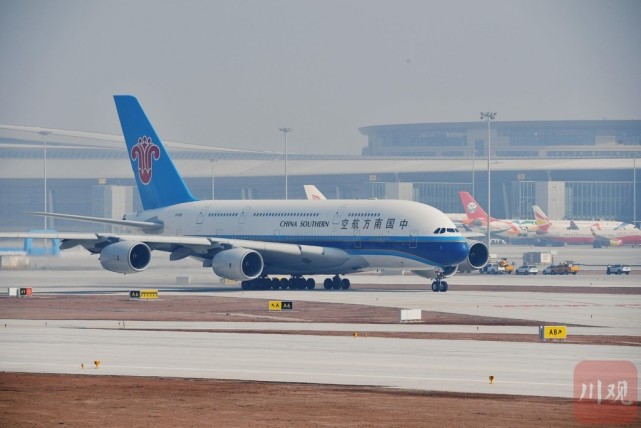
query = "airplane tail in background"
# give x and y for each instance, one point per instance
(313, 193)
(471, 207)
(158, 180)
(542, 220)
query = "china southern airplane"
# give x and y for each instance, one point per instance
(248, 240)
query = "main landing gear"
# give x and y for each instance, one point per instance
(439, 284)
(336, 283)
(296, 282)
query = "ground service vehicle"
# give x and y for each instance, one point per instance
(618, 270)
(492, 268)
(527, 270)
(563, 268)
(507, 267)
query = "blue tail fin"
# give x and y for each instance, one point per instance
(159, 183)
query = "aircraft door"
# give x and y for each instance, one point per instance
(243, 215)
(357, 239)
(338, 215)
(413, 238)
(202, 215)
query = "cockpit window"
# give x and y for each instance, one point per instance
(441, 230)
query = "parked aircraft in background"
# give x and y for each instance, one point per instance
(313, 193)
(248, 240)
(542, 219)
(549, 232)
(477, 219)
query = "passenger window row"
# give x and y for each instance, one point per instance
(286, 214)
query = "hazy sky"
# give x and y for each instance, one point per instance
(230, 73)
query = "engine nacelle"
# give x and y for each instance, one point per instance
(239, 264)
(125, 257)
(477, 257)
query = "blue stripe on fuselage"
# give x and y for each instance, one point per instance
(438, 251)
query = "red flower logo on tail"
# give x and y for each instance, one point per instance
(144, 151)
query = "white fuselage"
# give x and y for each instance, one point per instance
(375, 233)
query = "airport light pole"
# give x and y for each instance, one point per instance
(213, 193)
(488, 117)
(634, 190)
(285, 131)
(473, 168)
(44, 172)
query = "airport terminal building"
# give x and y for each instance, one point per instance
(572, 169)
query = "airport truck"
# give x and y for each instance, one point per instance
(507, 267)
(618, 270)
(565, 268)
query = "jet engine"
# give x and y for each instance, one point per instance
(125, 257)
(477, 257)
(600, 241)
(239, 264)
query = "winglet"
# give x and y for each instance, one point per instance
(159, 183)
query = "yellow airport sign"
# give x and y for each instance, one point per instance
(148, 294)
(555, 332)
(277, 305)
(143, 294)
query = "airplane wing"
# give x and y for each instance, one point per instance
(181, 247)
(148, 226)
(472, 235)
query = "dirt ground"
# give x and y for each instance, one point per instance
(33, 400)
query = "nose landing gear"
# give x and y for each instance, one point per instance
(438, 284)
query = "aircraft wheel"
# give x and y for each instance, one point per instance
(327, 283)
(336, 283)
(310, 284)
(345, 284)
(270, 284)
(284, 283)
(443, 287)
(435, 286)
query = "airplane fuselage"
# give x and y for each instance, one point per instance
(363, 233)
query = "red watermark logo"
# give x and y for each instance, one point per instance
(144, 151)
(606, 392)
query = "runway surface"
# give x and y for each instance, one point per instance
(165, 349)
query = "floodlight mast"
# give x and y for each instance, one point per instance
(44, 172)
(285, 131)
(488, 117)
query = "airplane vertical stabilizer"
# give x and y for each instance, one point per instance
(542, 220)
(471, 207)
(158, 180)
